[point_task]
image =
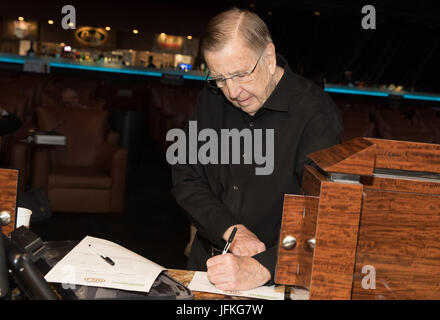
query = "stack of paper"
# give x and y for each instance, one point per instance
(84, 266)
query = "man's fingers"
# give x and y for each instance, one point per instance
(218, 277)
(221, 269)
(219, 261)
(214, 260)
(238, 273)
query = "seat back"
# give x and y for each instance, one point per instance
(84, 129)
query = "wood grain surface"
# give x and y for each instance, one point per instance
(401, 185)
(336, 238)
(355, 156)
(396, 232)
(312, 179)
(411, 156)
(294, 266)
(399, 236)
(8, 196)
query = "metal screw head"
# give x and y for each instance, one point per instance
(288, 242)
(5, 217)
(311, 243)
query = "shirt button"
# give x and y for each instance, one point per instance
(235, 188)
(251, 124)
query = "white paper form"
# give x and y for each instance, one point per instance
(83, 266)
(201, 283)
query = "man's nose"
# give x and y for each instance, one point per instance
(233, 89)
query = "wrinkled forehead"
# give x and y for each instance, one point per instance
(234, 57)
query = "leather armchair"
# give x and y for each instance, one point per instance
(86, 175)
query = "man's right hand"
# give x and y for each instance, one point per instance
(245, 242)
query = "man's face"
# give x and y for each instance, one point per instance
(236, 58)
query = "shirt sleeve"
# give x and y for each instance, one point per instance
(322, 131)
(193, 193)
(268, 259)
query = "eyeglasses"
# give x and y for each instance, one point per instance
(243, 77)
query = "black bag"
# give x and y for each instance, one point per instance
(36, 200)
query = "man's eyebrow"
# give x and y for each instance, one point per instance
(230, 74)
(238, 72)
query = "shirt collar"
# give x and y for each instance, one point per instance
(279, 98)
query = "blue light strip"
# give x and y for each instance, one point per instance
(200, 78)
(418, 97)
(11, 60)
(358, 92)
(192, 77)
(103, 69)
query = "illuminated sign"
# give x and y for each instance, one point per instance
(168, 42)
(91, 36)
(21, 29)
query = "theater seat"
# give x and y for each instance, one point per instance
(430, 119)
(86, 175)
(393, 125)
(357, 122)
(169, 107)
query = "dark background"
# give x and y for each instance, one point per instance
(403, 50)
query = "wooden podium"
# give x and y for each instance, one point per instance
(368, 224)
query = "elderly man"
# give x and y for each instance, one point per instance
(250, 87)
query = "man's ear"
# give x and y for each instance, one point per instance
(271, 59)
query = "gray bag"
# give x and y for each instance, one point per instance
(164, 287)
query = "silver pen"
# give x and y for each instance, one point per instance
(107, 259)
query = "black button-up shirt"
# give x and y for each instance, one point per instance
(217, 196)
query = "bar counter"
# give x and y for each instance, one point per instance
(61, 66)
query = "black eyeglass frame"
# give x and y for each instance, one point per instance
(214, 80)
